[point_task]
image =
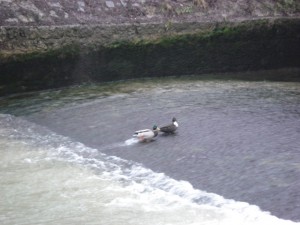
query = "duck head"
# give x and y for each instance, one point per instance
(155, 127)
(175, 121)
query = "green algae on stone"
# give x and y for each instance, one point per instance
(249, 45)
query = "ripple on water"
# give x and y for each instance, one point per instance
(237, 139)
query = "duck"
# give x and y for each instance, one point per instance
(171, 128)
(146, 135)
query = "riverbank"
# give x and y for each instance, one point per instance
(38, 58)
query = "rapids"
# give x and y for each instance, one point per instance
(67, 156)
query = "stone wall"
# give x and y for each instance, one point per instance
(69, 12)
(35, 58)
(87, 12)
(16, 40)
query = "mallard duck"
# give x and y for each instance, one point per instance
(147, 134)
(170, 129)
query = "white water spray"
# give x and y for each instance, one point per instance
(131, 141)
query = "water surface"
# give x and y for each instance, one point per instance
(239, 140)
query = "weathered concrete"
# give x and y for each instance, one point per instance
(16, 40)
(73, 55)
(46, 44)
(86, 12)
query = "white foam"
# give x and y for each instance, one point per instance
(131, 141)
(139, 190)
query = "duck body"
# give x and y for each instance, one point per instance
(146, 135)
(171, 128)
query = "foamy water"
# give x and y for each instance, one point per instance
(131, 141)
(47, 178)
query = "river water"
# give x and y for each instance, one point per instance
(68, 157)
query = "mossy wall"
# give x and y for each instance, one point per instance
(248, 46)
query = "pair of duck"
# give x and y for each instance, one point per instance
(148, 134)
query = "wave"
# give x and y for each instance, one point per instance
(145, 192)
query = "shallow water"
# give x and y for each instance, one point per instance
(239, 140)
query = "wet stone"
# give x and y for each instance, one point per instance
(123, 2)
(110, 4)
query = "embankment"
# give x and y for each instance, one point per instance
(41, 57)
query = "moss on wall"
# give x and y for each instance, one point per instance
(251, 45)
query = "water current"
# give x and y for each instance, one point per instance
(68, 157)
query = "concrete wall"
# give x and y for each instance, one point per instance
(35, 58)
(16, 40)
